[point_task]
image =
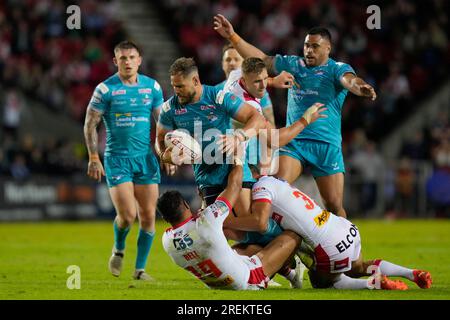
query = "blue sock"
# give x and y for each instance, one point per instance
(144, 244)
(119, 236)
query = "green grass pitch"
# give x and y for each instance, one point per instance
(34, 258)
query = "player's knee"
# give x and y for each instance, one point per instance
(147, 221)
(334, 203)
(126, 218)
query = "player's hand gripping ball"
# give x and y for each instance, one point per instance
(185, 149)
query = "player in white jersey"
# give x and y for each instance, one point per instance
(198, 245)
(335, 240)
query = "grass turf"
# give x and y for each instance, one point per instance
(34, 258)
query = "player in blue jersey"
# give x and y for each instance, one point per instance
(126, 102)
(318, 78)
(206, 111)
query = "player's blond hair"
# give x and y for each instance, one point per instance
(253, 65)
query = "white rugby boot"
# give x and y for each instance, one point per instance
(115, 262)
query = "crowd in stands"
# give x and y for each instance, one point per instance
(406, 60)
(403, 60)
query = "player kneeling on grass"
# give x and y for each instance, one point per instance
(336, 241)
(198, 244)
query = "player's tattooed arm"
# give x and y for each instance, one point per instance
(358, 86)
(95, 167)
(91, 122)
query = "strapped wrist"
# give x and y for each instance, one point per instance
(93, 157)
(234, 39)
(303, 121)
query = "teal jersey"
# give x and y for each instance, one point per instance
(126, 112)
(265, 101)
(316, 84)
(205, 120)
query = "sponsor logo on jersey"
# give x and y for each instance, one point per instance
(348, 239)
(146, 100)
(207, 107)
(258, 189)
(119, 92)
(212, 117)
(309, 92)
(319, 72)
(180, 111)
(146, 90)
(118, 115)
(322, 218)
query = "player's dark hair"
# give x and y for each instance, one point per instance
(253, 65)
(183, 65)
(320, 31)
(170, 207)
(227, 47)
(127, 45)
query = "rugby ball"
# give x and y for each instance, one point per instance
(181, 140)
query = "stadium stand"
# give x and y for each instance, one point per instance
(406, 61)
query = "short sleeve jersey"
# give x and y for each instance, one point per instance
(126, 111)
(316, 84)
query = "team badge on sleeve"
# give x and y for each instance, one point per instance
(103, 88)
(166, 106)
(220, 96)
(218, 208)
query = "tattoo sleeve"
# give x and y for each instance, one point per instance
(91, 122)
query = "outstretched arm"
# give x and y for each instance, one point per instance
(358, 86)
(91, 122)
(245, 49)
(286, 134)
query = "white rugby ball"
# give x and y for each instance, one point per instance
(181, 140)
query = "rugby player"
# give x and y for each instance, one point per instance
(126, 102)
(318, 78)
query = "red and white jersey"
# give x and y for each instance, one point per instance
(235, 86)
(199, 246)
(292, 209)
(336, 241)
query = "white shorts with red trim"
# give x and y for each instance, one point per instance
(257, 280)
(338, 248)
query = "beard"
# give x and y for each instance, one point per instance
(187, 99)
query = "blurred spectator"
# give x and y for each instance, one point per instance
(405, 187)
(12, 111)
(19, 169)
(369, 164)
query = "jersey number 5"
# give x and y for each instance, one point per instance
(309, 204)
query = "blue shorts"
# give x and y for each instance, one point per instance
(139, 170)
(324, 159)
